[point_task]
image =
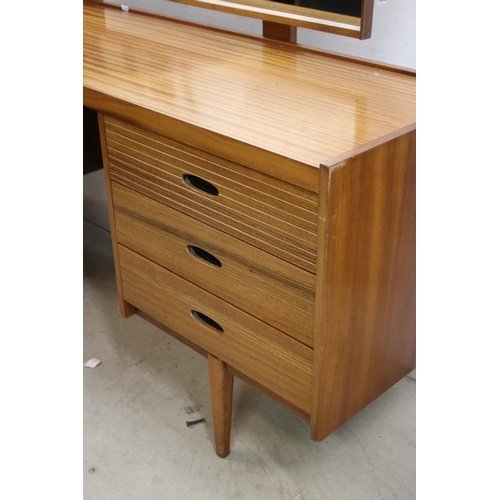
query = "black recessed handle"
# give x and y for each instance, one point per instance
(201, 184)
(206, 321)
(204, 256)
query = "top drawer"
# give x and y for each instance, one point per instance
(266, 212)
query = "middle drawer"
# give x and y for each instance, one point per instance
(269, 288)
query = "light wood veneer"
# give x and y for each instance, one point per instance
(272, 289)
(270, 106)
(268, 213)
(262, 208)
(252, 347)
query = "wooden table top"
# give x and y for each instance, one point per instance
(310, 107)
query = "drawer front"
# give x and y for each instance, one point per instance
(269, 357)
(259, 283)
(266, 212)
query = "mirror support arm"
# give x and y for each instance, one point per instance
(278, 31)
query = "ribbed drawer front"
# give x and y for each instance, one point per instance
(269, 288)
(273, 215)
(269, 357)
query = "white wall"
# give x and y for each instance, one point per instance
(195, 14)
(392, 42)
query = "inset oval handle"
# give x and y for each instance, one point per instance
(204, 256)
(201, 184)
(206, 321)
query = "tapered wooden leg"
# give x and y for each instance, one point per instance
(221, 389)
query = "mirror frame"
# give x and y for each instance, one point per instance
(354, 27)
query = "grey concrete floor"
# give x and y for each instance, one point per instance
(137, 445)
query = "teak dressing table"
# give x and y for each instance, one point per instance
(262, 208)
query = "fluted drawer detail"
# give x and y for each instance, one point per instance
(273, 215)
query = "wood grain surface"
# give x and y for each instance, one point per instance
(254, 101)
(259, 387)
(264, 354)
(312, 158)
(257, 282)
(365, 313)
(268, 213)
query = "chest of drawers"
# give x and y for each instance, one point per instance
(262, 208)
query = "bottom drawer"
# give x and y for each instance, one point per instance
(264, 354)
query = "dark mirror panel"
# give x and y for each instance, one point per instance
(352, 18)
(346, 7)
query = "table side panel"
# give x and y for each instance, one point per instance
(365, 328)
